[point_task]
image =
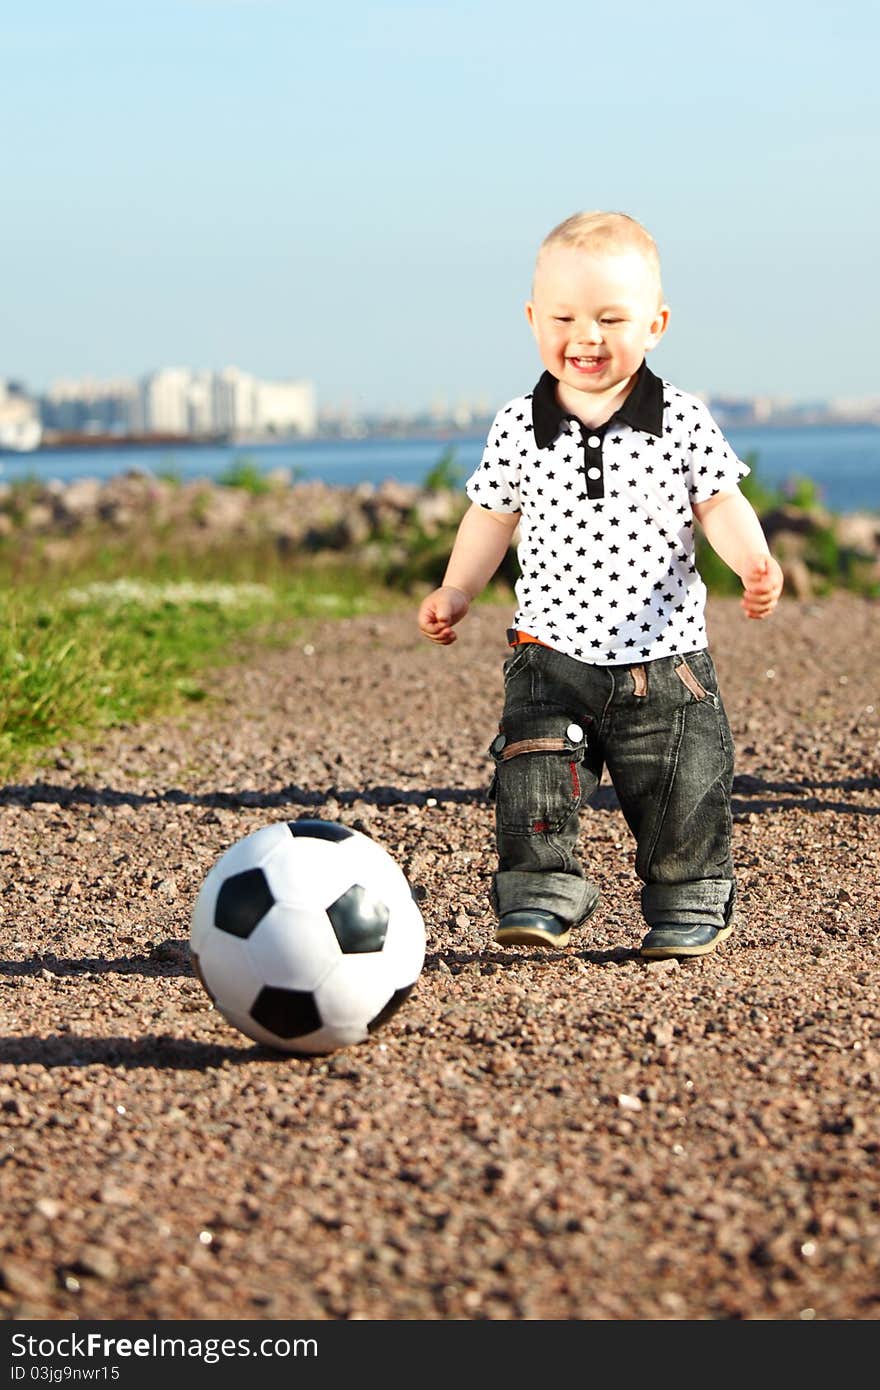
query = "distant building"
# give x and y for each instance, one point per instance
(20, 428)
(768, 407)
(165, 401)
(200, 405)
(90, 407)
(861, 411)
(730, 411)
(285, 407)
(181, 401)
(233, 393)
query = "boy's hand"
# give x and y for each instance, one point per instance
(762, 585)
(440, 611)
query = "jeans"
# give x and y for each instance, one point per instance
(661, 731)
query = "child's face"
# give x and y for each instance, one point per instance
(595, 313)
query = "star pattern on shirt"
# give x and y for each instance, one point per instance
(609, 580)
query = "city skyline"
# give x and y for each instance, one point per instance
(355, 198)
(174, 401)
(232, 403)
(82, 385)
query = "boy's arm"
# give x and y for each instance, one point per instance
(481, 543)
(734, 532)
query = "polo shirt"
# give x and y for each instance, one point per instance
(606, 530)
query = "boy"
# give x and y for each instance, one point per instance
(604, 467)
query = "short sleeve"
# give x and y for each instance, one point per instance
(714, 467)
(494, 484)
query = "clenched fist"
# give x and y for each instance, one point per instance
(762, 585)
(440, 611)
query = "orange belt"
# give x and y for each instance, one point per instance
(515, 638)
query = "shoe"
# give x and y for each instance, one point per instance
(532, 926)
(668, 940)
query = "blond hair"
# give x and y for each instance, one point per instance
(605, 231)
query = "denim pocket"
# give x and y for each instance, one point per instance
(691, 681)
(519, 657)
(537, 784)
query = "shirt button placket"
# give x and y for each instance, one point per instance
(593, 469)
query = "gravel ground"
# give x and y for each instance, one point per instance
(534, 1135)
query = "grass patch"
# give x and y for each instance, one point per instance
(120, 636)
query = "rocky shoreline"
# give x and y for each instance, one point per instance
(817, 549)
(314, 515)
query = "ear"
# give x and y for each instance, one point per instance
(658, 327)
(530, 315)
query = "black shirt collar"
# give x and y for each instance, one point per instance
(642, 409)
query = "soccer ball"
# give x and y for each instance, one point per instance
(306, 936)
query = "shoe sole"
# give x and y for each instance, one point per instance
(671, 952)
(525, 936)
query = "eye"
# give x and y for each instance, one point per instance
(610, 320)
(562, 318)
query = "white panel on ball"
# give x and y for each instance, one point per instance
(293, 950)
(226, 970)
(309, 873)
(360, 986)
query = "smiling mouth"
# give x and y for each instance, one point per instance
(588, 364)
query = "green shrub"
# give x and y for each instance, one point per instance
(803, 493)
(762, 498)
(22, 495)
(715, 574)
(169, 471)
(246, 474)
(446, 475)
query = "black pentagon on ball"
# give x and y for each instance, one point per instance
(359, 921)
(242, 903)
(390, 1008)
(319, 829)
(288, 1013)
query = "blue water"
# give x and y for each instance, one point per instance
(843, 463)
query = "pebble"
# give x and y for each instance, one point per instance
(21, 1279)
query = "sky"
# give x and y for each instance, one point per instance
(354, 193)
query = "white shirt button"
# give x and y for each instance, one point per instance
(594, 441)
(594, 473)
(574, 733)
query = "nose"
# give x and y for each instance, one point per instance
(589, 331)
